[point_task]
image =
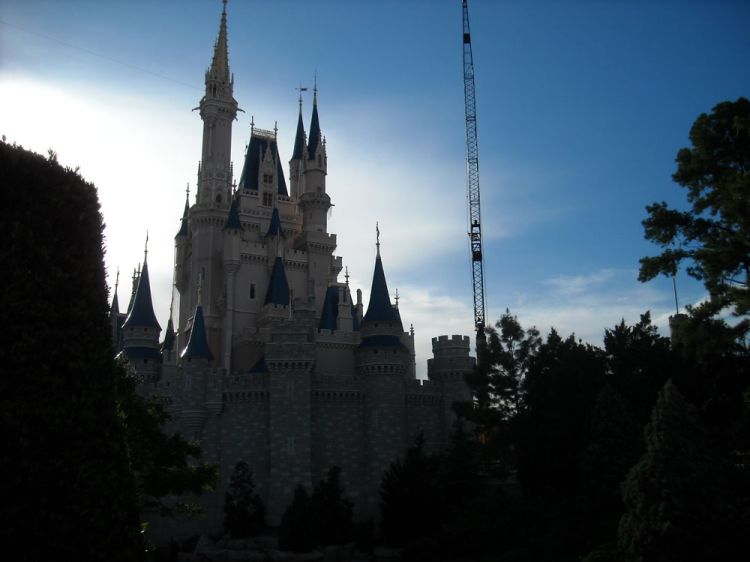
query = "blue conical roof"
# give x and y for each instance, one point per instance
(330, 310)
(274, 228)
(299, 139)
(278, 287)
(184, 221)
(233, 218)
(197, 346)
(315, 136)
(168, 343)
(142, 312)
(379, 307)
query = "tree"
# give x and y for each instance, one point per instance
(244, 510)
(410, 502)
(65, 451)
(713, 236)
(496, 386)
(675, 505)
(560, 389)
(297, 526)
(334, 516)
(164, 465)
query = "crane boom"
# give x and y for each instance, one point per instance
(472, 183)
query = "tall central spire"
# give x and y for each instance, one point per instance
(220, 62)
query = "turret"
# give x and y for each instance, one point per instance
(314, 200)
(182, 244)
(382, 361)
(297, 162)
(116, 319)
(232, 240)
(197, 351)
(141, 329)
(218, 109)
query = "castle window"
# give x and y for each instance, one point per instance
(252, 290)
(267, 199)
(267, 178)
(218, 198)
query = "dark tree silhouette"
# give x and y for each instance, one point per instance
(297, 532)
(714, 235)
(65, 456)
(244, 510)
(411, 505)
(676, 507)
(334, 516)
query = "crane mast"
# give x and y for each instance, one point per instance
(472, 184)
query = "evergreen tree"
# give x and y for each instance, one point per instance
(64, 446)
(244, 510)
(713, 237)
(297, 531)
(334, 515)
(675, 504)
(411, 505)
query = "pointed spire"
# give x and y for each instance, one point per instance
(315, 135)
(299, 139)
(377, 238)
(274, 228)
(184, 221)
(133, 289)
(379, 307)
(278, 286)
(115, 309)
(197, 346)
(142, 311)
(233, 218)
(220, 62)
(169, 336)
(330, 310)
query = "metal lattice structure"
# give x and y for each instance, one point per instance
(472, 182)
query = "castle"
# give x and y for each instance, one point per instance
(271, 360)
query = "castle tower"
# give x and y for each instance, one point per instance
(183, 268)
(297, 162)
(448, 367)
(382, 360)
(314, 201)
(140, 331)
(232, 239)
(218, 109)
(204, 242)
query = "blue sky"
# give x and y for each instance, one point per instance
(582, 106)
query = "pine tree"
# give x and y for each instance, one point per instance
(244, 510)
(297, 531)
(334, 516)
(675, 508)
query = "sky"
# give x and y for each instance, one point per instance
(582, 107)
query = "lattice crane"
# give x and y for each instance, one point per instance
(472, 185)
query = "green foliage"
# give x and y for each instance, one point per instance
(614, 446)
(640, 361)
(561, 387)
(713, 236)
(163, 465)
(297, 532)
(64, 447)
(674, 499)
(410, 501)
(244, 510)
(496, 386)
(334, 519)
